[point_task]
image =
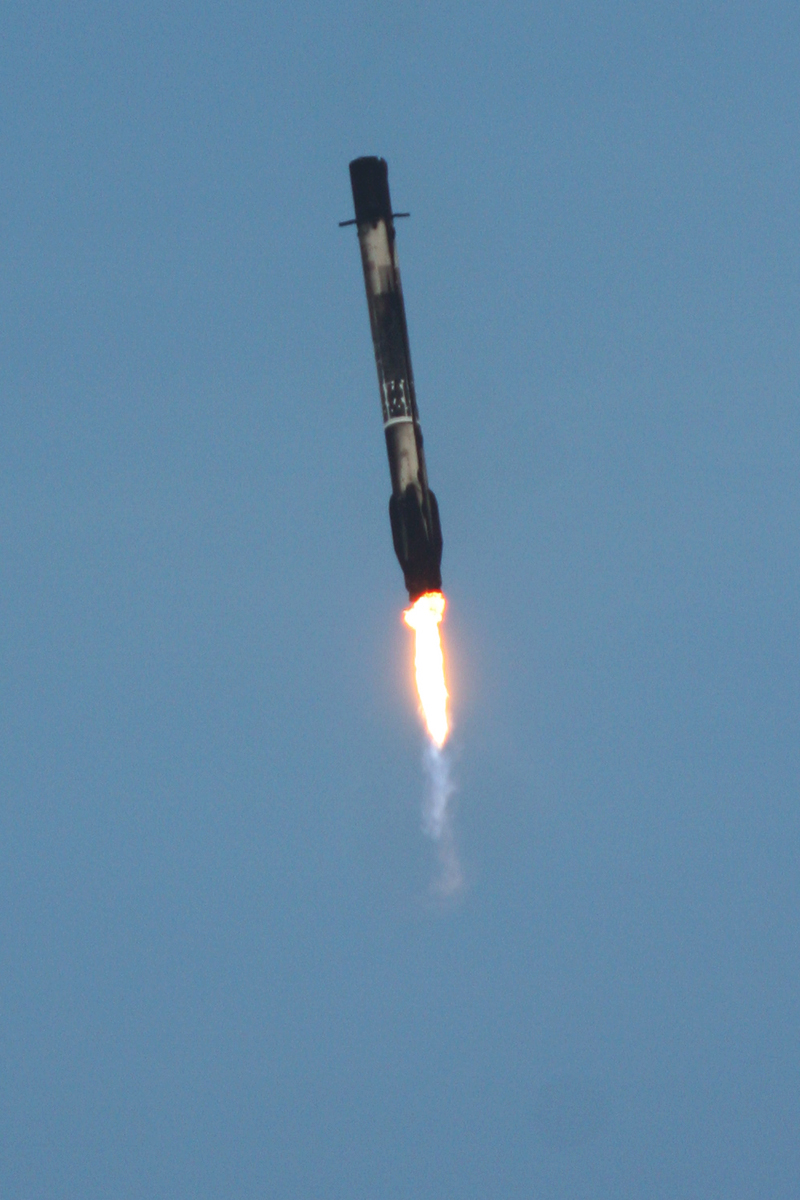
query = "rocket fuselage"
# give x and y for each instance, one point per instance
(413, 510)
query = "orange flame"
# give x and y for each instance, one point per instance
(424, 617)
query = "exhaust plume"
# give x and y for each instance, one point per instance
(424, 618)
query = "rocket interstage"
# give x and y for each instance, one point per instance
(413, 511)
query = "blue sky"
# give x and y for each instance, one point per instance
(222, 968)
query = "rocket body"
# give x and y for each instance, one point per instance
(413, 511)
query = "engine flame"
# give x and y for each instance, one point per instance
(424, 617)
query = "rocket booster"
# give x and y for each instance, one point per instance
(413, 511)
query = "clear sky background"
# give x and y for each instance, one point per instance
(223, 972)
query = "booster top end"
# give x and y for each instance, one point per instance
(369, 178)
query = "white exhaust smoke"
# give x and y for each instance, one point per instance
(437, 818)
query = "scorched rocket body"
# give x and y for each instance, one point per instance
(413, 510)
